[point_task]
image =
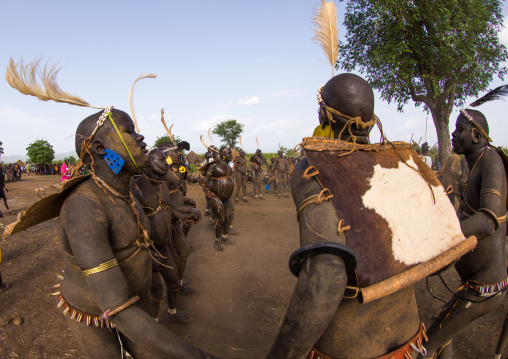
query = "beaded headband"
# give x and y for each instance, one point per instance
(496, 94)
(477, 126)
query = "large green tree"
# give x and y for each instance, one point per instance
(229, 131)
(164, 139)
(435, 53)
(40, 151)
(1, 148)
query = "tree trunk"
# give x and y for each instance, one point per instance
(441, 121)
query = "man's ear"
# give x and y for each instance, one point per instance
(476, 135)
(98, 147)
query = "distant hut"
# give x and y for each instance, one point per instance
(194, 159)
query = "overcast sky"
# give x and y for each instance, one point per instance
(252, 61)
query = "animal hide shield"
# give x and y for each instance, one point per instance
(43, 210)
(397, 210)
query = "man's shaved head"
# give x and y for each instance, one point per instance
(351, 95)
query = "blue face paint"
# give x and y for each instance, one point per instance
(114, 161)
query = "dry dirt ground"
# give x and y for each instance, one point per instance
(241, 293)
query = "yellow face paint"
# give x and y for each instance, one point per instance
(326, 132)
(182, 169)
(169, 160)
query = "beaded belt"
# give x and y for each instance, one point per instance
(485, 290)
(404, 352)
(82, 316)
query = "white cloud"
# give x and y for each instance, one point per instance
(279, 126)
(254, 100)
(503, 34)
(212, 121)
(251, 101)
(227, 104)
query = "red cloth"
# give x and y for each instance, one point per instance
(65, 171)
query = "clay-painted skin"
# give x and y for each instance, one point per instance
(257, 160)
(220, 182)
(92, 228)
(185, 211)
(281, 175)
(240, 164)
(155, 196)
(317, 313)
(487, 263)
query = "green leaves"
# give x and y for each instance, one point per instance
(40, 152)
(229, 131)
(418, 50)
(166, 139)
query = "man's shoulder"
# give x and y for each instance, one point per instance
(492, 161)
(84, 191)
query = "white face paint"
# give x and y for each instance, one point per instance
(421, 228)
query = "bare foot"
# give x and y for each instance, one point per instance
(5, 286)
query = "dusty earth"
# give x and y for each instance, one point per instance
(241, 294)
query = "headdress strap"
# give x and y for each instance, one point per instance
(110, 116)
(330, 111)
(477, 126)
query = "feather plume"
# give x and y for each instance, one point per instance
(326, 34)
(208, 147)
(257, 142)
(29, 80)
(496, 94)
(240, 138)
(131, 96)
(168, 130)
(210, 136)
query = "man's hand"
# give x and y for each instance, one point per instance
(189, 201)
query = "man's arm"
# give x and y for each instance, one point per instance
(482, 224)
(189, 201)
(322, 278)
(88, 235)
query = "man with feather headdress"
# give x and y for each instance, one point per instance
(482, 212)
(364, 245)
(104, 295)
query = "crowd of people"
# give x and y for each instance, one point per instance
(12, 172)
(150, 218)
(373, 217)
